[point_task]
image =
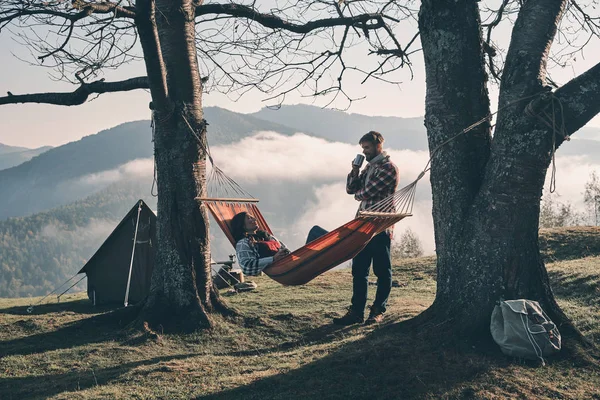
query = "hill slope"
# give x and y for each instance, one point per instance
(5, 149)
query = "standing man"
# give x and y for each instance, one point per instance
(377, 181)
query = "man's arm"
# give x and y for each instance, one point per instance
(379, 183)
(354, 180)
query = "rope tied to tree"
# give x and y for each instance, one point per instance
(550, 121)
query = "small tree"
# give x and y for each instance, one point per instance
(409, 246)
(554, 214)
(591, 197)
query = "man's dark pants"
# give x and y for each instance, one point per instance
(377, 251)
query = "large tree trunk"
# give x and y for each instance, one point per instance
(182, 295)
(486, 194)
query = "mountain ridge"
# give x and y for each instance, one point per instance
(11, 156)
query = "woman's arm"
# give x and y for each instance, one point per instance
(283, 246)
(249, 260)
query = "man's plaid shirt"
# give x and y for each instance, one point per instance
(248, 258)
(382, 182)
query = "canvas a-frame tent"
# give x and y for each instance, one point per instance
(120, 272)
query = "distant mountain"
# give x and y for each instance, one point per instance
(54, 177)
(5, 149)
(399, 133)
(12, 155)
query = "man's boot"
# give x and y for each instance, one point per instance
(375, 315)
(350, 318)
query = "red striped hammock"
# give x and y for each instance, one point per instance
(316, 257)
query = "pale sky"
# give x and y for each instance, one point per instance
(33, 125)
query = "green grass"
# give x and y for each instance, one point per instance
(286, 348)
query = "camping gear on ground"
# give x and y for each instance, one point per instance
(226, 275)
(522, 329)
(121, 269)
(245, 286)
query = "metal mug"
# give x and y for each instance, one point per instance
(358, 160)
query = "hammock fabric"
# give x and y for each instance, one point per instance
(316, 257)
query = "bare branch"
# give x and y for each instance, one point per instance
(104, 7)
(78, 96)
(292, 48)
(364, 21)
(85, 9)
(488, 45)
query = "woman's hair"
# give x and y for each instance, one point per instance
(238, 229)
(238, 223)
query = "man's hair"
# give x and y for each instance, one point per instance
(373, 137)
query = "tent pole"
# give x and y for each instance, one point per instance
(132, 253)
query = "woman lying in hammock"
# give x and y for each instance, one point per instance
(255, 249)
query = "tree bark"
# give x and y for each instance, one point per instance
(456, 97)
(486, 193)
(182, 296)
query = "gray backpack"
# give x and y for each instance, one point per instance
(522, 329)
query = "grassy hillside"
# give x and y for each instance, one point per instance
(286, 348)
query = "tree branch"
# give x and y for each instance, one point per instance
(85, 10)
(80, 95)
(155, 66)
(534, 31)
(580, 100)
(104, 7)
(274, 22)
